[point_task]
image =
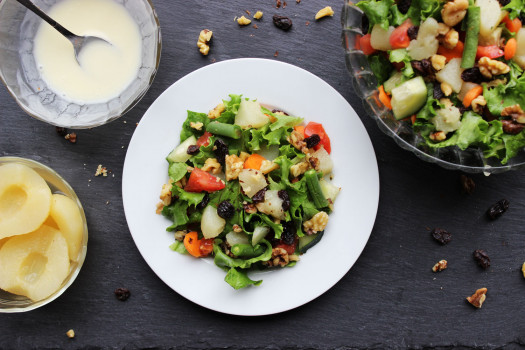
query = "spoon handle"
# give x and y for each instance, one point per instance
(51, 21)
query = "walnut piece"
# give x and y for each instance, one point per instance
(279, 258)
(267, 166)
(165, 192)
(244, 155)
(478, 103)
(234, 165)
(196, 126)
(515, 112)
(438, 62)
(216, 112)
(258, 15)
(70, 334)
(243, 21)
(489, 67)
(450, 40)
(212, 165)
(478, 298)
(296, 139)
(299, 168)
(440, 266)
(237, 228)
(327, 11)
(523, 269)
(443, 29)
(438, 136)
(249, 208)
(454, 11)
(204, 40)
(101, 171)
(179, 235)
(446, 88)
(317, 223)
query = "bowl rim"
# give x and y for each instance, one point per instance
(72, 274)
(112, 117)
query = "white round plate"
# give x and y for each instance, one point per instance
(299, 93)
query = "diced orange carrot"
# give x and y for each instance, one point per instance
(449, 54)
(471, 95)
(254, 161)
(510, 48)
(192, 244)
(413, 118)
(513, 25)
(384, 98)
(299, 129)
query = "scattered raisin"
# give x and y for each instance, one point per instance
(204, 202)
(472, 75)
(423, 67)
(482, 258)
(122, 294)
(312, 141)
(225, 209)
(220, 151)
(289, 230)
(286, 199)
(438, 93)
(467, 184)
(282, 22)
(511, 127)
(193, 149)
(504, 2)
(462, 109)
(259, 196)
(442, 236)
(365, 23)
(404, 5)
(496, 210)
(61, 131)
(412, 32)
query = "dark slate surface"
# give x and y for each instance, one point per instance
(389, 299)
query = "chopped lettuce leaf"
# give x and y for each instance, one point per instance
(193, 117)
(224, 261)
(239, 279)
(285, 121)
(176, 171)
(401, 55)
(381, 67)
(515, 8)
(376, 11)
(192, 198)
(178, 247)
(177, 213)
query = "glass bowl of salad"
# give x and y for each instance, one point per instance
(444, 79)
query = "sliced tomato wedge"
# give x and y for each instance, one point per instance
(399, 38)
(206, 246)
(290, 248)
(365, 46)
(317, 128)
(491, 52)
(204, 140)
(200, 181)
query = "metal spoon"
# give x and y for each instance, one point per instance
(78, 42)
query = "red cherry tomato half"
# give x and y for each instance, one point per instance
(491, 52)
(204, 140)
(364, 44)
(206, 246)
(317, 128)
(200, 181)
(399, 38)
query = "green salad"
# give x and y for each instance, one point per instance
(454, 70)
(248, 186)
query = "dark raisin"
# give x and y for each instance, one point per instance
(259, 196)
(423, 67)
(504, 2)
(403, 5)
(437, 92)
(312, 141)
(463, 109)
(496, 210)
(221, 150)
(61, 131)
(472, 75)
(511, 127)
(467, 184)
(278, 110)
(288, 235)
(442, 236)
(286, 199)
(193, 150)
(482, 258)
(412, 32)
(487, 115)
(122, 294)
(365, 23)
(282, 22)
(225, 209)
(522, 18)
(204, 202)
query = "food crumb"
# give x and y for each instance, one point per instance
(440, 266)
(122, 294)
(203, 42)
(467, 184)
(71, 137)
(243, 21)
(276, 54)
(327, 11)
(101, 171)
(70, 334)
(258, 15)
(523, 269)
(248, 12)
(298, 1)
(478, 298)
(125, 122)
(307, 23)
(277, 3)
(284, 4)
(255, 26)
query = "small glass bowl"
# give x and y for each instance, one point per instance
(21, 75)
(470, 160)
(16, 303)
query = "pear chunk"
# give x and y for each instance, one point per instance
(25, 200)
(65, 214)
(34, 264)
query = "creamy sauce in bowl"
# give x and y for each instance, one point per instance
(104, 70)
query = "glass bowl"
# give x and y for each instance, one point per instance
(470, 160)
(21, 75)
(17, 303)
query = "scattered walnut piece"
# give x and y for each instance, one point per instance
(443, 29)
(489, 67)
(327, 11)
(258, 15)
(101, 171)
(216, 112)
(204, 40)
(276, 54)
(237, 228)
(212, 165)
(70, 334)
(244, 155)
(515, 112)
(440, 266)
(454, 11)
(478, 103)
(279, 258)
(267, 166)
(478, 298)
(179, 235)
(438, 62)
(299, 168)
(71, 137)
(438, 136)
(234, 165)
(196, 126)
(446, 88)
(296, 139)
(243, 21)
(523, 269)
(450, 40)
(317, 223)
(249, 208)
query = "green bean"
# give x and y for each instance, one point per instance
(314, 187)
(223, 129)
(246, 250)
(471, 39)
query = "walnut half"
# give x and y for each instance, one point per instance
(478, 298)
(204, 40)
